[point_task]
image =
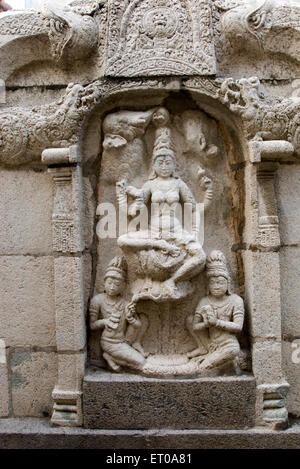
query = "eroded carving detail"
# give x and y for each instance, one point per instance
(264, 117)
(22, 24)
(24, 135)
(69, 32)
(261, 27)
(13, 137)
(218, 319)
(122, 327)
(71, 35)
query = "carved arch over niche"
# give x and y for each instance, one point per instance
(186, 118)
(64, 122)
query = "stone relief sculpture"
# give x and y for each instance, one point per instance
(260, 22)
(25, 134)
(218, 319)
(161, 147)
(165, 255)
(162, 258)
(69, 32)
(121, 327)
(71, 35)
(264, 117)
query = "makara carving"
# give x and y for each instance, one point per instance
(71, 35)
(264, 26)
(264, 117)
(25, 134)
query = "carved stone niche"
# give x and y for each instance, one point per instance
(165, 314)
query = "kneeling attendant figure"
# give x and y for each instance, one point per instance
(218, 319)
(121, 326)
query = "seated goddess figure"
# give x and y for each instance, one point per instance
(169, 253)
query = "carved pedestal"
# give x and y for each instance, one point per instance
(133, 402)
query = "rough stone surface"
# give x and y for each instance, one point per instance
(69, 303)
(34, 375)
(266, 361)
(288, 185)
(290, 295)
(25, 210)
(27, 301)
(263, 298)
(291, 366)
(19, 96)
(37, 434)
(128, 401)
(70, 371)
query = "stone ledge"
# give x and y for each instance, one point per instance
(127, 401)
(31, 433)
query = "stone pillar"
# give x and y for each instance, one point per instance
(262, 280)
(68, 250)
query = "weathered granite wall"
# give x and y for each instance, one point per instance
(45, 290)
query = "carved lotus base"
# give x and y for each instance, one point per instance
(170, 366)
(150, 271)
(157, 264)
(157, 291)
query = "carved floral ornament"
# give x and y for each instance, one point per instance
(160, 38)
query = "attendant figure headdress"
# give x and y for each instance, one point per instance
(216, 266)
(117, 268)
